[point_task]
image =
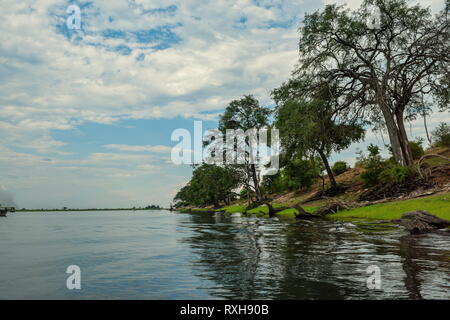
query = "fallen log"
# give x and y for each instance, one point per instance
(328, 193)
(419, 222)
(302, 214)
(333, 207)
(419, 163)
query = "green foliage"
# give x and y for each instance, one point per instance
(245, 113)
(340, 167)
(296, 174)
(395, 173)
(300, 174)
(416, 148)
(209, 185)
(439, 205)
(373, 165)
(337, 44)
(311, 123)
(441, 135)
(274, 183)
(379, 170)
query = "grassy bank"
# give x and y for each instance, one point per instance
(438, 205)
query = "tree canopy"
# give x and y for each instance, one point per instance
(209, 185)
(312, 124)
(378, 71)
(246, 114)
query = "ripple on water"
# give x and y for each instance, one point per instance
(161, 255)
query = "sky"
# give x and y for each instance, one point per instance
(86, 115)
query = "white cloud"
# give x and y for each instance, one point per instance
(48, 83)
(134, 148)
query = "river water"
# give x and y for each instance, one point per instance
(163, 255)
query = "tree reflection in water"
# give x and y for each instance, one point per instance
(249, 258)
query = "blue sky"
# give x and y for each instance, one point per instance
(86, 116)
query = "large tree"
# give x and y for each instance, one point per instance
(311, 123)
(246, 114)
(379, 69)
(209, 185)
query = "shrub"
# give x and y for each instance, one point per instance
(441, 135)
(374, 165)
(371, 176)
(340, 167)
(416, 149)
(395, 173)
(274, 183)
(300, 174)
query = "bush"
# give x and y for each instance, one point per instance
(300, 174)
(395, 173)
(441, 135)
(371, 176)
(274, 183)
(339, 167)
(416, 149)
(373, 164)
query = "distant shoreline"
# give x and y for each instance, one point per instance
(94, 209)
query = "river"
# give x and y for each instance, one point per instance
(164, 255)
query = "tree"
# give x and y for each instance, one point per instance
(373, 165)
(379, 71)
(441, 135)
(245, 114)
(209, 184)
(312, 123)
(300, 173)
(340, 167)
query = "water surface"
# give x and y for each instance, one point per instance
(163, 255)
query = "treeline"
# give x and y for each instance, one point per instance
(149, 207)
(351, 76)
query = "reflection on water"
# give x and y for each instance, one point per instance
(162, 255)
(253, 258)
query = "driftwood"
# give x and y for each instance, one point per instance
(327, 193)
(419, 163)
(394, 189)
(418, 222)
(302, 214)
(333, 207)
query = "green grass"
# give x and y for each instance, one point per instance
(438, 205)
(234, 208)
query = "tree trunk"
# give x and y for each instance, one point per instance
(426, 127)
(404, 143)
(256, 183)
(328, 168)
(393, 133)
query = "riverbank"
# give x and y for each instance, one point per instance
(433, 197)
(438, 205)
(93, 209)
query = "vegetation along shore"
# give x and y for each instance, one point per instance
(351, 79)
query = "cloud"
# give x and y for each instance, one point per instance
(125, 147)
(132, 60)
(6, 198)
(183, 59)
